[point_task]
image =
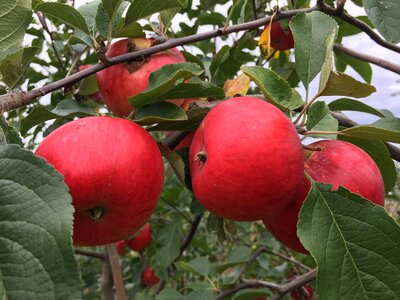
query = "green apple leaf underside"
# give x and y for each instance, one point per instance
(386, 129)
(385, 14)
(311, 32)
(14, 66)
(275, 89)
(380, 154)
(37, 259)
(340, 84)
(8, 135)
(65, 109)
(319, 118)
(164, 80)
(360, 239)
(355, 105)
(176, 162)
(15, 19)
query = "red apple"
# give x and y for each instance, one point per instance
(142, 240)
(114, 171)
(149, 278)
(120, 245)
(297, 293)
(281, 36)
(337, 163)
(119, 82)
(245, 158)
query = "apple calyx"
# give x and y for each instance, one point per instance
(96, 213)
(201, 156)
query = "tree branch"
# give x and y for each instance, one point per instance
(107, 280)
(189, 237)
(113, 258)
(369, 58)
(16, 100)
(322, 6)
(280, 289)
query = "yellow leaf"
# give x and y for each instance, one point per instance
(239, 85)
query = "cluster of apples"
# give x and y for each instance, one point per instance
(246, 159)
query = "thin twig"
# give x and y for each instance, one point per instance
(15, 100)
(189, 237)
(177, 210)
(279, 289)
(357, 23)
(107, 280)
(388, 65)
(42, 21)
(101, 256)
(113, 257)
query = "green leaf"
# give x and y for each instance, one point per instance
(111, 7)
(354, 242)
(386, 129)
(319, 119)
(164, 80)
(239, 254)
(380, 154)
(37, 259)
(88, 12)
(275, 89)
(169, 294)
(8, 135)
(133, 30)
(166, 16)
(159, 112)
(176, 162)
(354, 105)
(361, 67)
(199, 266)
(88, 85)
(16, 15)
(65, 109)
(327, 66)
(65, 13)
(140, 9)
(168, 238)
(219, 58)
(14, 67)
(346, 29)
(195, 116)
(340, 84)
(216, 224)
(200, 295)
(197, 89)
(385, 15)
(103, 21)
(311, 32)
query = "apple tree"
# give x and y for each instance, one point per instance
(183, 149)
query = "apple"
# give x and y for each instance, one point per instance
(119, 82)
(245, 158)
(281, 37)
(97, 95)
(142, 240)
(114, 172)
(120, 245)
(297, 294)
(149, 278)
(337, 163)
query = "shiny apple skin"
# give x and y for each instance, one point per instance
(117, 84)
(254, 159)
(281, 37)
(142, 240)
(337, 163)
(107, 163)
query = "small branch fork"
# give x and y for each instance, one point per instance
(279, 289)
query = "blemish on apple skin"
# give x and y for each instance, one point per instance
(201, 156)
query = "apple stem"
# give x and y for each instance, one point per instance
(201, 156)
(96, 213)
